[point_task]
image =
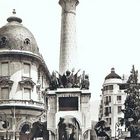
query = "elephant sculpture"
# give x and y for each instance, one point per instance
(68, 128)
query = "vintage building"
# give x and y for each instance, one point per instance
(31, 100)
(33, 103)
(112, 101)
(23, 79)
(68, 97)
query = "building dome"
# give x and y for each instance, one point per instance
(14, 36)
(112, 75)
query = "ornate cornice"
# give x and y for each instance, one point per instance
(27, 82)
(5, 81)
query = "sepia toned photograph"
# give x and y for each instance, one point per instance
(69, 70)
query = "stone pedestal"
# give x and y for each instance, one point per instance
(68, 103)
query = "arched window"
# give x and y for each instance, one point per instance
(3, 41)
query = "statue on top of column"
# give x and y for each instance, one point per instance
(69, 80)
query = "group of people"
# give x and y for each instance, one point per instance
(69, 80)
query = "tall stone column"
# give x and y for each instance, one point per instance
(68, 47)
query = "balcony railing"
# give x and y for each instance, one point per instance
(107, 102)
(119, 101)
(30, 103)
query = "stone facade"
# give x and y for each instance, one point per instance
(23, 79)
(112, 101)
(32, 103)
(68, 46)
(68, 97)
(80, 112)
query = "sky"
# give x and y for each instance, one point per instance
(108, 34)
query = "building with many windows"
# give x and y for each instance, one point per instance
(112, 101)
(33, 103)
(23, 79)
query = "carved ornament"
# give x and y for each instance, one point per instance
(5, 81)
(27, 82)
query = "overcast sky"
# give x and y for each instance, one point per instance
(108, 34)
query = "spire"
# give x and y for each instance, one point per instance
(14, 18)
(14, 12)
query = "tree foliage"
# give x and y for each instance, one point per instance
(132, 105)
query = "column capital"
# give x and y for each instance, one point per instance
(68, 5)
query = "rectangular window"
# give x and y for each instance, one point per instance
(106, 111)
(123, 86)
(119, 98)
(109, 121)
(4, 93)
(42, 81)
(68, 103)
(109, 98)
(109, 109)
(119, 109)
(106, 98)
(110, 87)
(46, 101)
(27, 70)
(4, 69)
(27, 94)
(105, 88)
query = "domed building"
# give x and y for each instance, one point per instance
(34, 103)
(23, 79)
(112, 101)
